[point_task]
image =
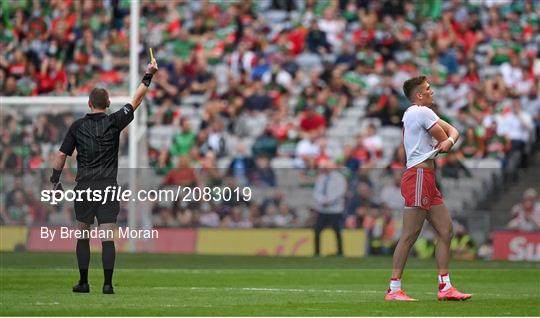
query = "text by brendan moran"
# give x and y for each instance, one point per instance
(123, 232)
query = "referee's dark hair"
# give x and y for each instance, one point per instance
(410, 85)
(99, 98)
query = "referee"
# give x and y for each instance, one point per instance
(96, 138)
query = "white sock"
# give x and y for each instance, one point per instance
(395, 285)
(444, 282)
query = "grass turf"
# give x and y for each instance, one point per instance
(39, 284)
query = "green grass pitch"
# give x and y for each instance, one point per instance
(35, 284)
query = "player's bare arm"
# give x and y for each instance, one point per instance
(445, 134)
(151, 69)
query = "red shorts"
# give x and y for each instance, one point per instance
(419, 189)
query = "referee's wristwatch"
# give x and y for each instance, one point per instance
(55, 177)
(147, 79)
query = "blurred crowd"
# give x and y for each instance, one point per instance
(268, 79)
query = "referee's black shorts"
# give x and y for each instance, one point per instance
(106, 211)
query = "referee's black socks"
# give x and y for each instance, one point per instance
(108, 256)
(83, 259)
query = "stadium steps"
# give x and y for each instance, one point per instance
(345, 128)
(500, 208)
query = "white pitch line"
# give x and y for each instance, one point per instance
(47, 304)
(265, 289)
(185, 306)
(302, 290)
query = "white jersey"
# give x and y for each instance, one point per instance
(419, 144)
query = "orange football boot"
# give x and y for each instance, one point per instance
(399, 296)
(452, 294)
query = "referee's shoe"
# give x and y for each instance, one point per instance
(81, 288)
(108, 289)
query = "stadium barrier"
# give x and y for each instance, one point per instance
(270, 242)
(13, 238)
(516, 246)
(277, 242)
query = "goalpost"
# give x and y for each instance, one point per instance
(137, 128)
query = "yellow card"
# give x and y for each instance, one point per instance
(152, 56)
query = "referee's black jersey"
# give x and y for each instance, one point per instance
(96, 138)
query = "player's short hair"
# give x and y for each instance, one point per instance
(410, 85)
(99, 98)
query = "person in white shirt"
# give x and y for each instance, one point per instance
(333, 27)
(373, 141)
(511, 72)
(307, 150)
(526, 214)
(424, 136)
(456, 92)
(518, 126)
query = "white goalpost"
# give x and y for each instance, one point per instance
(137, 128)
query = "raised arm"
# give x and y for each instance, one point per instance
(151, 69)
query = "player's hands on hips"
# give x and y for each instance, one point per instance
(444, 146)
(152, 67)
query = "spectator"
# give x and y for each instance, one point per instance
(398, 159)
(242, 166)
(237, 219)
(361, 153)
(526, 215)
(329, 196)
(497, 146)
(472, 146)
(208, 217)
(348, 160)
(389, 112)
(462, 245)
(209, 175)
(454, 168)
(164, 163)
(203, 81)
(456, 92)
(307, 150)
(333, 27)
(216, 138)
(485, 251)
(361, 207)
(263, 175)
(373, 142)
(265, 145)
(257, 99)
(19, 212)
(517, 126)
(312, 121)
(286, 216)
(380, 226)
(316, 40)
(183, 175)
(184, 140)
(165, 218)
(390, 195)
